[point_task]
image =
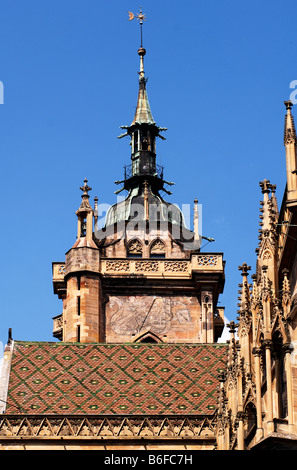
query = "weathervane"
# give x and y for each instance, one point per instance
(141, 17)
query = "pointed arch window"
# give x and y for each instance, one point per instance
(158, 249)
(283, 388)
(279, 364)
(83, 227)
(251, 422)
(135, 249)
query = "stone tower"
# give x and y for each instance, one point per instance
(142, 277)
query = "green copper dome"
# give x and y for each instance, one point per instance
(133, 208)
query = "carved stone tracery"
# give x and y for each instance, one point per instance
(150, 266)
(106, 427)
(117, 266)
(157, 247)
(207, 260)
(176, 266)
(135, 247)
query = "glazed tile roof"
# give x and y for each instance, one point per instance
(73, 378)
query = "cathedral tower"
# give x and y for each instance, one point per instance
(142, 277)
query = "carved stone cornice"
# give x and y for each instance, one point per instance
(85, 427)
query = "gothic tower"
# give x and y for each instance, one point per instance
(141, 277)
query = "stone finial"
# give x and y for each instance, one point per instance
(85, 205)
(265, 186)
(232, 327)
(85, 188)
(222, 376)
(288, 104)
(244, 268)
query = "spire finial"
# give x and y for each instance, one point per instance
(244, 268)
(141, 51)
(85, 188)
(265, 186)
(141, 19)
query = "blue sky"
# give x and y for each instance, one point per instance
(218, 73)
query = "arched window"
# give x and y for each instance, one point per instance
(135, 249)
(283, 388)
(144, 138)
(280, 373)
(157, 249)
(251, 422)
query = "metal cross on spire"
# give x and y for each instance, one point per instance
(141, 18)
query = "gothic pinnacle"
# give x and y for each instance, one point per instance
(289, 132)
(85, 205)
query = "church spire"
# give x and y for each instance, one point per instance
(143, 178)
(143, 114)
(143, 132)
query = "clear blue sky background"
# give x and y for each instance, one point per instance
(218, 75)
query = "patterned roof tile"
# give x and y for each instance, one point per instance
(72, 378)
